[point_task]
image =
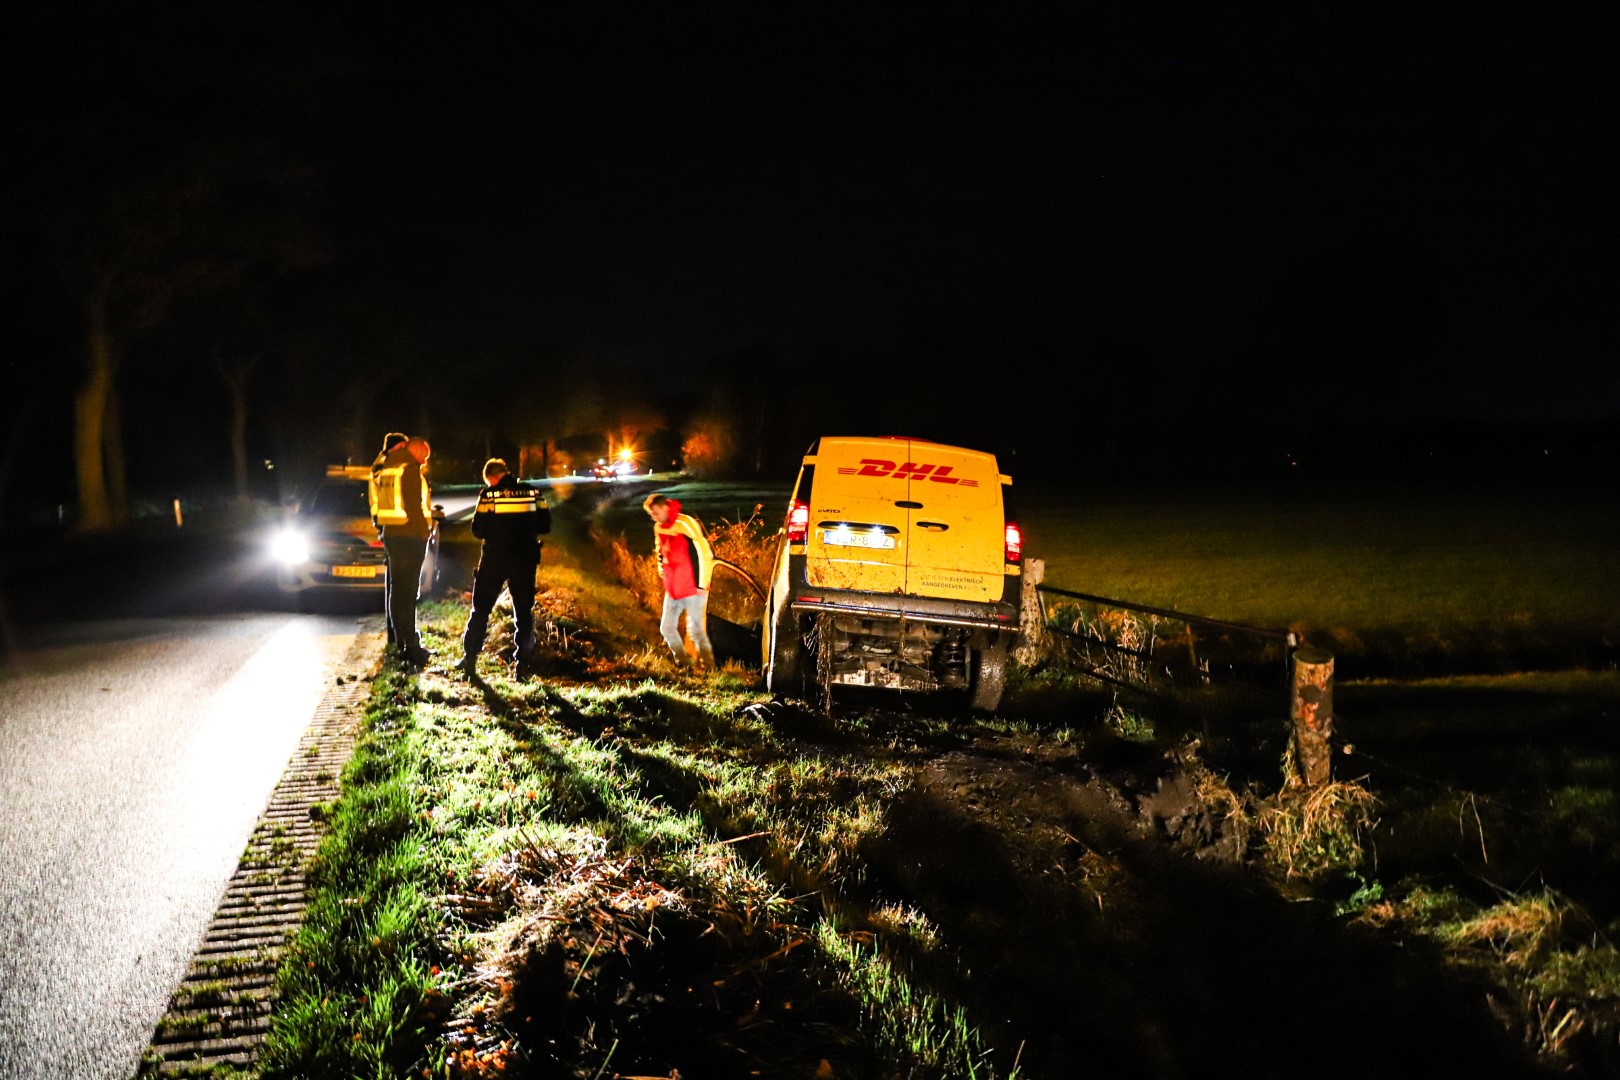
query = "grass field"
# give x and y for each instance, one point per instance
(1367, 568)
(1395, 579)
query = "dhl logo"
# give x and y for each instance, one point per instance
(939, 474)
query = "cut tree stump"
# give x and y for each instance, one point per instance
(1311, 709)
(1033, 640)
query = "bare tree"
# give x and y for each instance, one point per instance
(237, 371)
(153, 167)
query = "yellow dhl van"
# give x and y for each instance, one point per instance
(898, 566)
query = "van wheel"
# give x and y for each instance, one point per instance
(990, 678)
(786, 673)
(817, 677)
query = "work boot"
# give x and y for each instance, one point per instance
(417, 658)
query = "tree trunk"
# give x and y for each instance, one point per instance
(112, 447)
(89, 430)
(759, 441)
(239, 462)
(89, 416)
(353, 440)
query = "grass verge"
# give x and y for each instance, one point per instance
(510, 887)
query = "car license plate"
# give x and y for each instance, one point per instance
(355, 571)
(860, 538)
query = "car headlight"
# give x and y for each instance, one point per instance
(289, 548)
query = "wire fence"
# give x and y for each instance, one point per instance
(1221, 673)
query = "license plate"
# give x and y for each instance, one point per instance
(858, 538)
(355, 571)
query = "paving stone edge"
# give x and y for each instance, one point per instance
(220, 1012)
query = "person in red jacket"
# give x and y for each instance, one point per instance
(686, 561)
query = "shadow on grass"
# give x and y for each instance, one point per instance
(704, 984)
(1096, 950)
(1113, 956)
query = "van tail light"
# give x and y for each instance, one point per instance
(798, 523)
(1015, 543)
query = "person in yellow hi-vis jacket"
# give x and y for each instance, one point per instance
(390, 440)
(686, 561)
(402, 507)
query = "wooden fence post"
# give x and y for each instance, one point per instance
(1033, 640)
(1311, 709)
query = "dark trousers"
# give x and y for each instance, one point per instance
(405, 555)
(516, 575)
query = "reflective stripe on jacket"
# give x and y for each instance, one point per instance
(400, 497)
(510, 518)
(507, 501)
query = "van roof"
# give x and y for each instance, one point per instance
(825, 440)
(831, 445)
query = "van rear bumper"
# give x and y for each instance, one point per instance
(997, 616)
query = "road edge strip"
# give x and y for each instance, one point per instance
(218, 1016)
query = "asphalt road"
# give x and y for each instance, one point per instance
(135, 757)
(152, 688)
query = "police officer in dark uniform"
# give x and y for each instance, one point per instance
(510, 520)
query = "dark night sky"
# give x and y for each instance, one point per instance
(1363, 216)
(1222, 194)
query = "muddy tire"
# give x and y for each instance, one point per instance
(989, 678)
(818, 675)
(786, 673)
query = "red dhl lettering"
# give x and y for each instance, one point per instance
(939, 474)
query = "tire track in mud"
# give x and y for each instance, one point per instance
(1095, 918)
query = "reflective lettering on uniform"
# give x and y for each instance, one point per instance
(508, 504)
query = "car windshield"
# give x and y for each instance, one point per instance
(339, 499)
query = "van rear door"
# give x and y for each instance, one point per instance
(858, 516)
(956, 535)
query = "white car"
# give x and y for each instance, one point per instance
(328, 544)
